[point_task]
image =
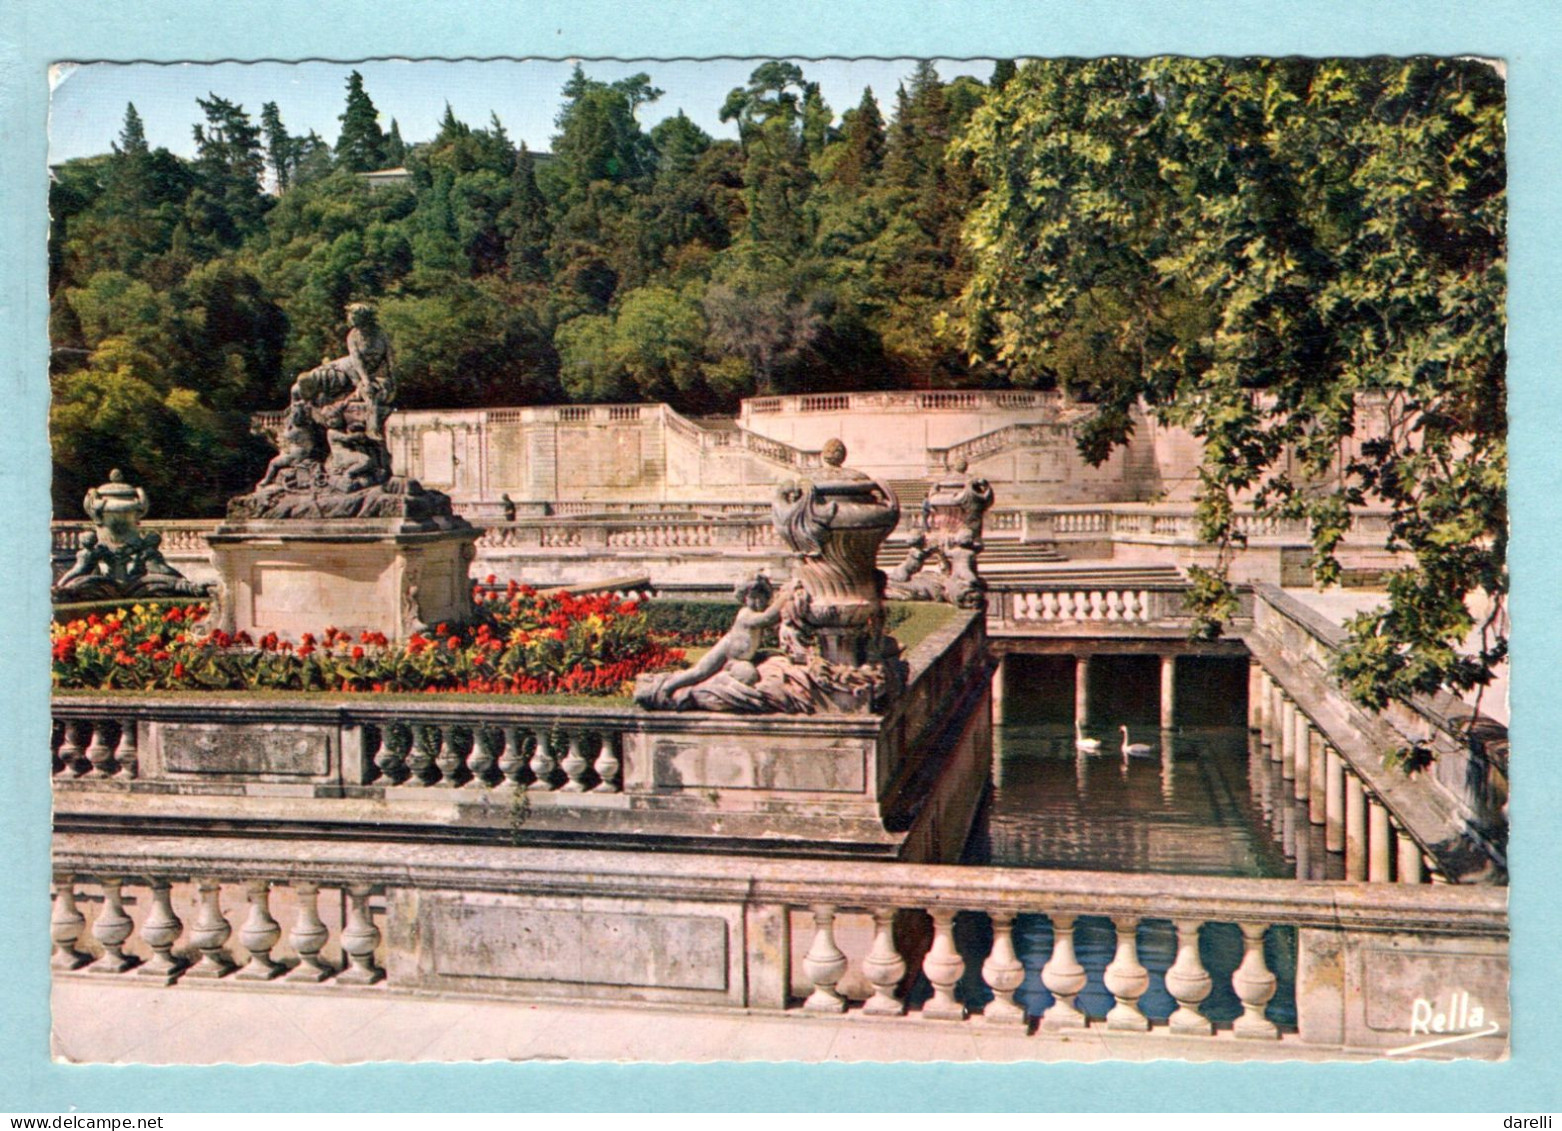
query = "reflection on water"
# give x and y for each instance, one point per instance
(1197, 806)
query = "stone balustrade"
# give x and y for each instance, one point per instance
(657, 525)
(1062, 607)
(931, 944)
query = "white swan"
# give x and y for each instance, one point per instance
(1134, 749)
(1085, 745)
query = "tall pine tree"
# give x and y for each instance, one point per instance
(361, 146)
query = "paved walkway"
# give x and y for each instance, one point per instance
(113, 1020)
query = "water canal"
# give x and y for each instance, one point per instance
(1204, 801)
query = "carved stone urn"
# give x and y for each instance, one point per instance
(835, 523)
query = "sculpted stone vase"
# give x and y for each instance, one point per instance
(836, 524)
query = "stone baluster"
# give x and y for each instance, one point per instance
(1355, 829)
(943, 967)
(511, 763)
(574, 764)
(481, 760)
(1126, 978)
(1254, 985)
(111, 928)
(66, 923)
(1004, 973)
(542, 764)
(449, 759)
(258, 934)
(884, 967)
(1379, 861)
(1189, 983)
(1334, 801)
(210, 932)
(391, 758)
(71, 741)
(161, 930)
(100, 755)
(1064, 977)
(308, 935)
(126, 754)
(1114, 606)
(609, 764)
(360, 939)
(824, 964)
(1097, 605)
(425, 771)
(1144, 605)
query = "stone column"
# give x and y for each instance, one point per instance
(1287, 739)
(1378, 859)
(1274, 712)
(1334, 800)
(1318, 778)
(1082, 690)
(1168, 692)
(1355, 829)
(824, 964)
(1407, 857)
(1000, 674)
(1255, 696)
(1301, 740)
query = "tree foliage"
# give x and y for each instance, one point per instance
(1280, 256)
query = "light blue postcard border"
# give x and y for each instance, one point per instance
(1527, 35)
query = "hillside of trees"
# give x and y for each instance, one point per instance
(819, 251)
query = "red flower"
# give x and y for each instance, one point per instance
(357, 652)
(309, 638)
(160, 657)
(178, 670)
(306, 648)
(453, 643)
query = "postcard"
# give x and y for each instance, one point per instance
(779, 559)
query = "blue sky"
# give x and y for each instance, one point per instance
(88, 102)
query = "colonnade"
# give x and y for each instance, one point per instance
(1168, 701)
(1356, 820)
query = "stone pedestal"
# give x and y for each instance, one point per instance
(292, 576)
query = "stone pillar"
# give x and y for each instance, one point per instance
(1355, 829)
(1255, 696)
(1378, 858)
(1301, 740)
(1274, 711)
(1287, 739)
(1407, 857)
(1168, 692)
(1000, 674)
(1082, 690)
(1318, 778)
(1334, 800)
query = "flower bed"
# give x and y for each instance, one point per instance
(525, 643)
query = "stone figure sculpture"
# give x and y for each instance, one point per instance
(332, 459)
(115, 559)
(829, 620)
(950, 539)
